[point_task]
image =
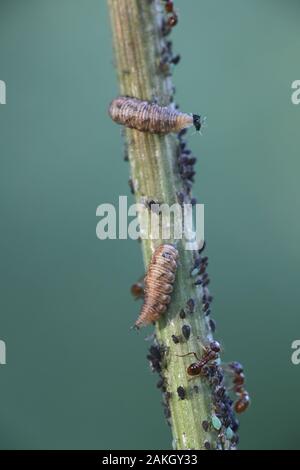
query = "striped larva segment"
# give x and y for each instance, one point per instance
(150, 117)
(158, 284)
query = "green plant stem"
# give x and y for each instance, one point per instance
(138, 43)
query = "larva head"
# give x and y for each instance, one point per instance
(197, 122)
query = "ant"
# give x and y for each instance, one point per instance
(169, 9)
(210, 354)
(243, 400)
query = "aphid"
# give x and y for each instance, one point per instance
(216, 422)
(182, 314)
(188, 185)
(164, 67)
(182, 144)
(156, 352)
(181, 392)
(191, 305)
(180, 197)
(131, 186)
(235, 424)
(176, 59)
(192, 160)
(202, 269)
(235, 439)
(155, 357)
(219, 391)
(186, 331)
(158, 284)
(181, 133)
(160, 383)
(165, 28)
(183, 160)
(211, 354)
(209, 298)
(167, 412)
(166, 51)
(187, 172)
(207, 445)
(150, 117)
(212, 325)
(205, 425)
(197, 262)
(137, 290)
(176, 339)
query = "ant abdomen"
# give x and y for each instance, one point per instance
(242, 403)
(194, 369)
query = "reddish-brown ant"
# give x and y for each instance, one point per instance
(210, 354)
(243, 400)
(169, 6)
(169, 9)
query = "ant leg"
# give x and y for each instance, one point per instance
(189, 354)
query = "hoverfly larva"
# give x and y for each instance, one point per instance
(158, 284)
(150, 117)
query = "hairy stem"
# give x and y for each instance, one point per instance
(139, 42)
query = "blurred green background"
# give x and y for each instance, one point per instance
(76, 376)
